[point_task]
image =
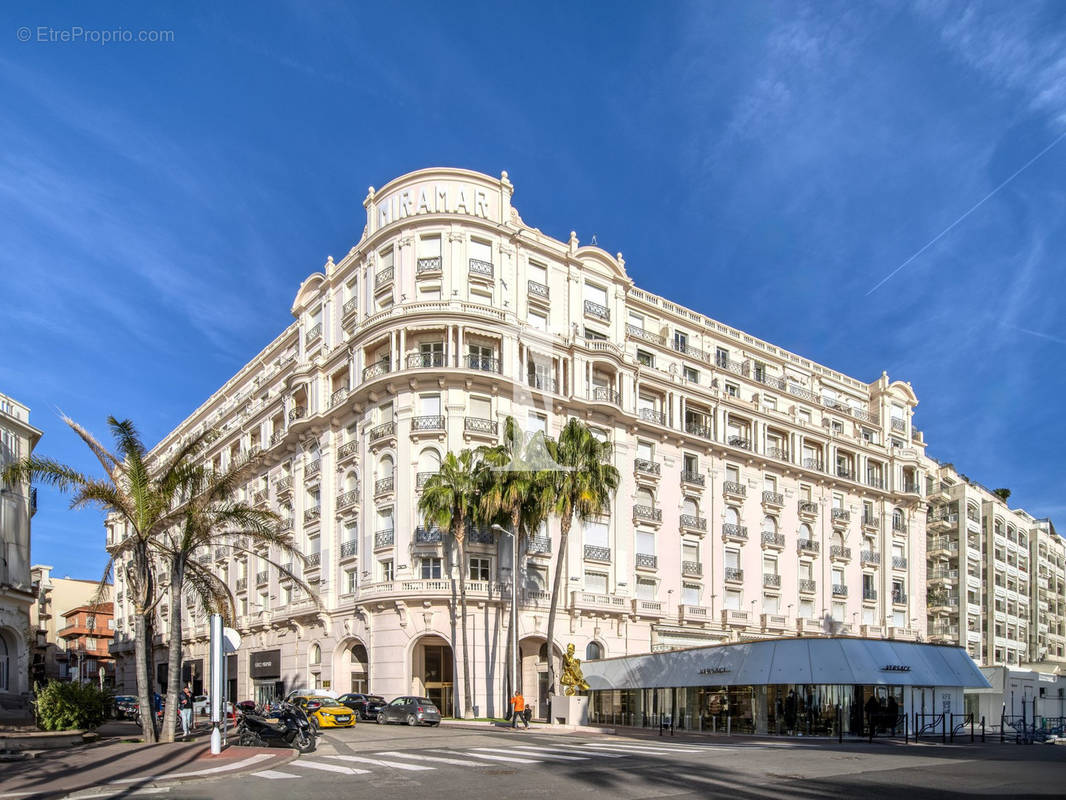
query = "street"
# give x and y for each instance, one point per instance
(372, 761)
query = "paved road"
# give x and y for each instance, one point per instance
(387, 763)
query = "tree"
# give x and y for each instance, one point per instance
(582, 486)
(210, 519)
(142, 492)
(450, 501)
(1002, 494)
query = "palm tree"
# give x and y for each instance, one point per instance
(582, 487)
(142, 492)
(450, 501)
(211, 520)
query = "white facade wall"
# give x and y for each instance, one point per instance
(451, 314)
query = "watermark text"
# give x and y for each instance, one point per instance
(76, 34)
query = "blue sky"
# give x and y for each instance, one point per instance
(769, 164)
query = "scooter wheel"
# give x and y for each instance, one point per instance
(304, 743)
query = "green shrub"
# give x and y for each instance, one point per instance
(63, 706)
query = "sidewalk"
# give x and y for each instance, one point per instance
(132, 766)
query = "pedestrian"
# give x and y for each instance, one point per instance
(790, 712)
(185, 708)
(893, 712)
(873, 711)
(518, 708)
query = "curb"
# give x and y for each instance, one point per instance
(537, 728)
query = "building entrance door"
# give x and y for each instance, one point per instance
(432, 670)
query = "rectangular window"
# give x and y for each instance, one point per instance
(806, 571)
(645, 358)
(431, 568)
(771, 603)
(680, 342)
(732, 558)
(596, 534)
(596, 582)
(690, 594)
(806, 609)
(645, 589)
(538, 273)
(691, 375)
(690, 551)
(645, 451)
(387, 572)
(645, 542)
(731, 390)
(839, 611)
(429, 405)
(429, 246)
(481, 251)
(480, 407)
(636, 320)
(351, 581)
(537, 320)
(596, 294)
(692, 463)
(733, 599)
(479, 568)
(721, 357)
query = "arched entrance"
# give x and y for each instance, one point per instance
(351, 668)
(432, 671)
(5, 663)
(533, 673)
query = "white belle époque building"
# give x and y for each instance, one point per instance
(760, 491)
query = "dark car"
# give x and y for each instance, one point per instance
(246, 706)
(412, 710)
(366, 706)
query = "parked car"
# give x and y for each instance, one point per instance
(125, 706)
(325, 712)
(246, 706)
(411, 710)
(366, 706)
(201, 705)
(289, 698)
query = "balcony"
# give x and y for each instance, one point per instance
(313, 560)
(739, 442)
(480, 536)
(647, 513)
(599, 602)
(869, 593)
(539, 545)
(377, 369)
(692, 477)
(647, 608)
(735, 617)
(313, 334)
(942, 546)
(427, 360)
(349, 308)
(421, 479)
(903, 634)
(537, 290)
(428, 266)
(875, 481)
(734, 490)
(384, 485)
(761, 376)
(651, 415)
(691, 569)
(259, 498)
(692, 352)
(871, 521)
(697, 429)
(646, 561)
(899, 562)
(599, 554)
(338, 397)
(643, 466)
(807, 510)
(841, 517)
(381, 432)
(349, 498)
(807, 586)
(840, 552)
(482, 363)
(942, 520)
(384, 538)
(693, 523)
(543, 383)
(639, 333)
(780, 453)
(383, 277)
(262, 578)
(734, 575)
(284, 485)
(313, 468)
(433, 423)
(481, 269)
(870, 558)
(349, 549)
(297, 413)
(773, 499)
(900, 599)
(732, 531)
(605, 394)
(840, 590)
(773, 540)
(242, 584)
(741, 368)
(430, 536)
(771, 581)
(774, 622)
(346, 451)
(480, 426)
(807, 546)
(596, 310)
(312, 514)
(844, 471)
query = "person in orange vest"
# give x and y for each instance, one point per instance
(518, 708)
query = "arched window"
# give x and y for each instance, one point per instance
(429, 460)
(385, 467)
(316, 654)
(351, 481)
(690, 507)
(645, 498)
(769, 524)
(732, 516)
(542, 654)
(898, 520)
(805, 532)
(593, 651)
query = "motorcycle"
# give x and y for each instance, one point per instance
(288, 726)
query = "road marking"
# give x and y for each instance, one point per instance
(440, 759)
(636, 749)
(378, 763)
(517, 752)
(274, 775)
(330, 767)
(210, 771)
(105, 793)
(498, 758)
(567, 751)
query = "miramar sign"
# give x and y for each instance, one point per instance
(438, 197)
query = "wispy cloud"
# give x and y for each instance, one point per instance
(1038, 334)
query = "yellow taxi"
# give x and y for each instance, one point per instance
(325, 712)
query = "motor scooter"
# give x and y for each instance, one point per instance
(287, 726)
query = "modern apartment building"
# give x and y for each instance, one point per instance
(18, 504)
(53, 597)
(761, 492)
(86, 632)
(995, 581)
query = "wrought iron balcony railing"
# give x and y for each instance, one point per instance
(647, 467)
(427, 360)
(596, 310)
(480, 268)
(537, 289)
(482, 363)
(771, 539)
(605, 394)
(771, 580)
(346, 450)
(348, 498)
(648, 513)
(693, 477)
(733, 531)
(426, 265)
(693, 523)
(651, 415)
(384, 276)
(428, 535)
(692, 569)
(433, 422)
(377, 369)
(349, 548)
(840, 551)
(808, 586)
(773, 498)
(595, 553)
(734, 488)
(384, 538)
(807, 546)
(639, 333)
(480, 425)
(383, 431)
(646, 561)
(384, 485)
(734, 574)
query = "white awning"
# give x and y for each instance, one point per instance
(824, 660)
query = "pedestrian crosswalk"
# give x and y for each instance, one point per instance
(520, 754)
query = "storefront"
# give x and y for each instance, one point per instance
(265, 671)
(802, 687)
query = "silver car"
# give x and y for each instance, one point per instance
(412, 710)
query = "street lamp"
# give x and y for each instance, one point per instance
(514, 605)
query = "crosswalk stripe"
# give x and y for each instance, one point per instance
(526, 748)
(330, 767)
(635, 749)
(274, 775)
(518, 752)
(379, 763)
(490, 757)
(439, 759)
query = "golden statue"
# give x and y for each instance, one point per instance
(572, 678)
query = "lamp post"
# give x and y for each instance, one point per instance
(514, 604)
